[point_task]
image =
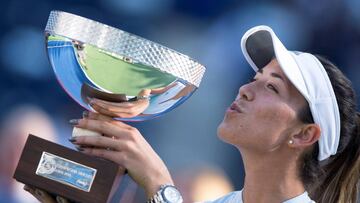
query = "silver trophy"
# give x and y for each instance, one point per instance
(91, 59)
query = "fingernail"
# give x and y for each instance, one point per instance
(60, 199)
(91, 100)
(74, 121)
(39, 192)
(72, 139)
(26, 188)
(79, 148)
(85, 114)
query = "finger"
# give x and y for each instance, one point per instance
(109, 128)
(29, 189)
(143, 98)
(145, 92)
(115, 104)
(96, 141)
(104, 110)
(121, 171)
(43, 196)
(96, 116)
(61, 200)
(106, 154)
(40, 195)
(162, 89)
(101, 117)
(121, 109)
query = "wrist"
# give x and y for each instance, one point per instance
(156, 180)
(166, 194)
(154, 186)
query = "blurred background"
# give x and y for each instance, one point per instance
(207, 30)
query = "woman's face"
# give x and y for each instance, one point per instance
(264, 114)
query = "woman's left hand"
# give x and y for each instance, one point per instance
(124, 145)
(43, 196)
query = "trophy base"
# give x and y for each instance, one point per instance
(65, 172)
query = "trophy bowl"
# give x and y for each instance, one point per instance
(91, 59)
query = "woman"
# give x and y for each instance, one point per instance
(295, 125)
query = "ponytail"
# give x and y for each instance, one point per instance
(336, 179)
(350, 185)
(340, 180)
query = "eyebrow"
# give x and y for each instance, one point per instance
(275, 75)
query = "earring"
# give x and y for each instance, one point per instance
(291, 142)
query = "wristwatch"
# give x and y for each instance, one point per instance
(166, 194)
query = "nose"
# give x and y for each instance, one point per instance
(245, 93)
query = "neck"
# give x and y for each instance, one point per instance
(270, 178)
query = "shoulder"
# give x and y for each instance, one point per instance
(303, 198)
(229, 198)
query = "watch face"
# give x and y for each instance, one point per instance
(171, 195)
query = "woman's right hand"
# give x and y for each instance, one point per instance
(128, 147)
(43, 196)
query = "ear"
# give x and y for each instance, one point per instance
(308, 135)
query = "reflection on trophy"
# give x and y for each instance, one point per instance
(93, 60)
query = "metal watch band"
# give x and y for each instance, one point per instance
(158, 198)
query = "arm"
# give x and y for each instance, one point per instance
(128, 147)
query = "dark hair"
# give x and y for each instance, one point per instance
(335, 179)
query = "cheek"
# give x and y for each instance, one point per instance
(272, 121)
(260, 128)
(275, 114)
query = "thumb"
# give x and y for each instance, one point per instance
(145, 92)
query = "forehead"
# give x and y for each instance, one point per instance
(273, 69)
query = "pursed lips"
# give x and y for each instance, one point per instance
(235, 107)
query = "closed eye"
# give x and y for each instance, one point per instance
(252, 80)
(272, 87)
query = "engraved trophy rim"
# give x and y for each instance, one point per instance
(122, 43)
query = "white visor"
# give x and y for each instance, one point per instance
(260, 45)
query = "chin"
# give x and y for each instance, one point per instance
(231, 134)
(223, 132)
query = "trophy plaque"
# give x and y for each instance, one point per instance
(65, 172)
(94, 60)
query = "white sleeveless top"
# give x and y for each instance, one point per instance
(236, 197)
